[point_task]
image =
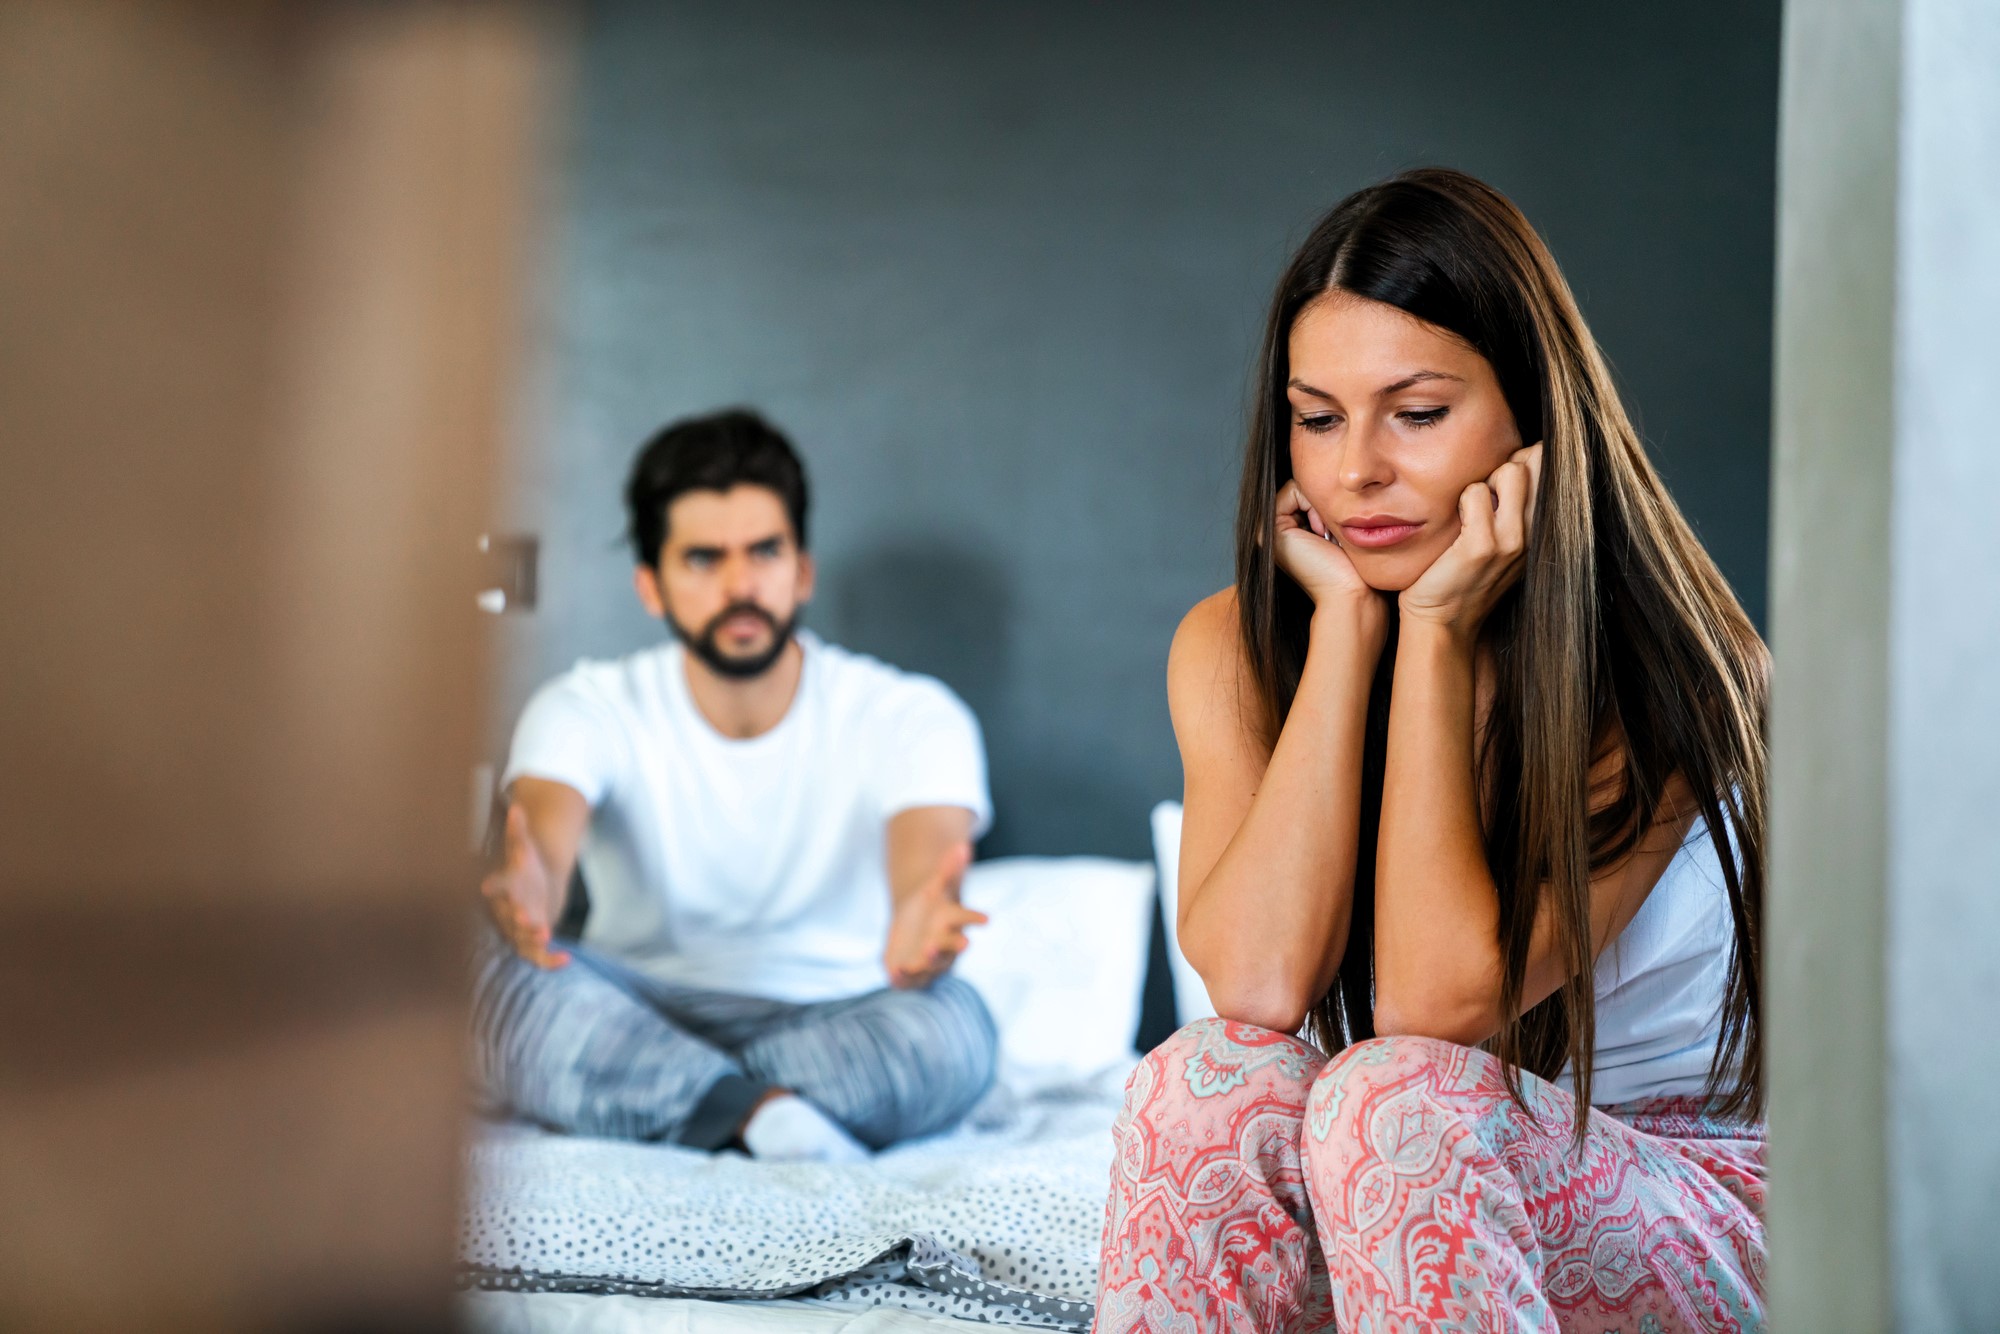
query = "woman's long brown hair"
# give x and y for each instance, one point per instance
(1621, 632)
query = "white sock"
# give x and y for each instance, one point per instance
(790, 1129)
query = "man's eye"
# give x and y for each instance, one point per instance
(1421, 417)
(700, 560)
(1319, 422)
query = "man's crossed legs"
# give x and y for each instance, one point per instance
(596, 1048)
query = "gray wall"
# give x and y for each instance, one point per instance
(999, 269)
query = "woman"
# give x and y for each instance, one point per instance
(1475, 793)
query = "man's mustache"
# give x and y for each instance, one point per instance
(714, 626)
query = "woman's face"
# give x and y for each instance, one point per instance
(1391, 418)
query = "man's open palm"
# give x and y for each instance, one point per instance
(927, 933)
(520, 896)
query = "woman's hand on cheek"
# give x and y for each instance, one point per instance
(1308, 553)
(1486, 558)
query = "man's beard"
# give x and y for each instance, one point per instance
(708, 648)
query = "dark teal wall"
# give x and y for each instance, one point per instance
(999, 269)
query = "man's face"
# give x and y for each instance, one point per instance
(731, 579)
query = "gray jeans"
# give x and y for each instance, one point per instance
(597, 1048)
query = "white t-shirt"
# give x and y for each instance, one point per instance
(754, 866)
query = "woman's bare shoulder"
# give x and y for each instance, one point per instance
(1209, 638)
(1211, 691)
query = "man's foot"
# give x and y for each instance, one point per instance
(788, 1129)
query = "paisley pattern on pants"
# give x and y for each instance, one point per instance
(1209, 1227)
(1398, 1189)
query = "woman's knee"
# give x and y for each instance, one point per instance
(1207, 1066)
(1357, 1076)
(1213, 1038)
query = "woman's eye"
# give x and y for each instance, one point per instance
(1421, 417)
(1319, 422)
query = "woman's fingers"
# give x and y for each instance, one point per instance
(1303, 506)
(1515, 484)
(1495, 517)
(1510, 507)
(1292, 504)
(1288, 500)
(1531, 458)
(1475, 518)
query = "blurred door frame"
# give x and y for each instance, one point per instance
(260, 314)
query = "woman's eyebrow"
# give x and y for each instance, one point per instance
(1415, 377)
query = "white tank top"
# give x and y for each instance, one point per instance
(1661, 983)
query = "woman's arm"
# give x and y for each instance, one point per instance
(1437, 911)
(1268, 834)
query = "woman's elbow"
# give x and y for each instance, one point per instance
(1264, 1012)
(1446, 1018)
(1270, 993)
(1263, 999)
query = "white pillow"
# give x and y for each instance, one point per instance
(1062, 964)
(1190, 993)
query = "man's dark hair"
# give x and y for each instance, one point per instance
(712, 453)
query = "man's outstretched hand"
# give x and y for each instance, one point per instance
(521, 896)
(927, 932)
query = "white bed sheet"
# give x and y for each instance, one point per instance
(598, 1237)
(615, 1313)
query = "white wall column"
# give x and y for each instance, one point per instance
(1829, 624)
(1944, 678)
(1885, 906)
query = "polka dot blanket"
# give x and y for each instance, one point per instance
(998, 1221)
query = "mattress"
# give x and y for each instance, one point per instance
(997, 1222)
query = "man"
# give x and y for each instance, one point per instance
(772, 832)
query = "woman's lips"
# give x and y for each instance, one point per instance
(1374, 531)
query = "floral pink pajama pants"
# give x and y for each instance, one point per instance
(1397, 1189)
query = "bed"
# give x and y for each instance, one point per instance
(997, 1222)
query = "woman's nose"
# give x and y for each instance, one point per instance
(1362, 463)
